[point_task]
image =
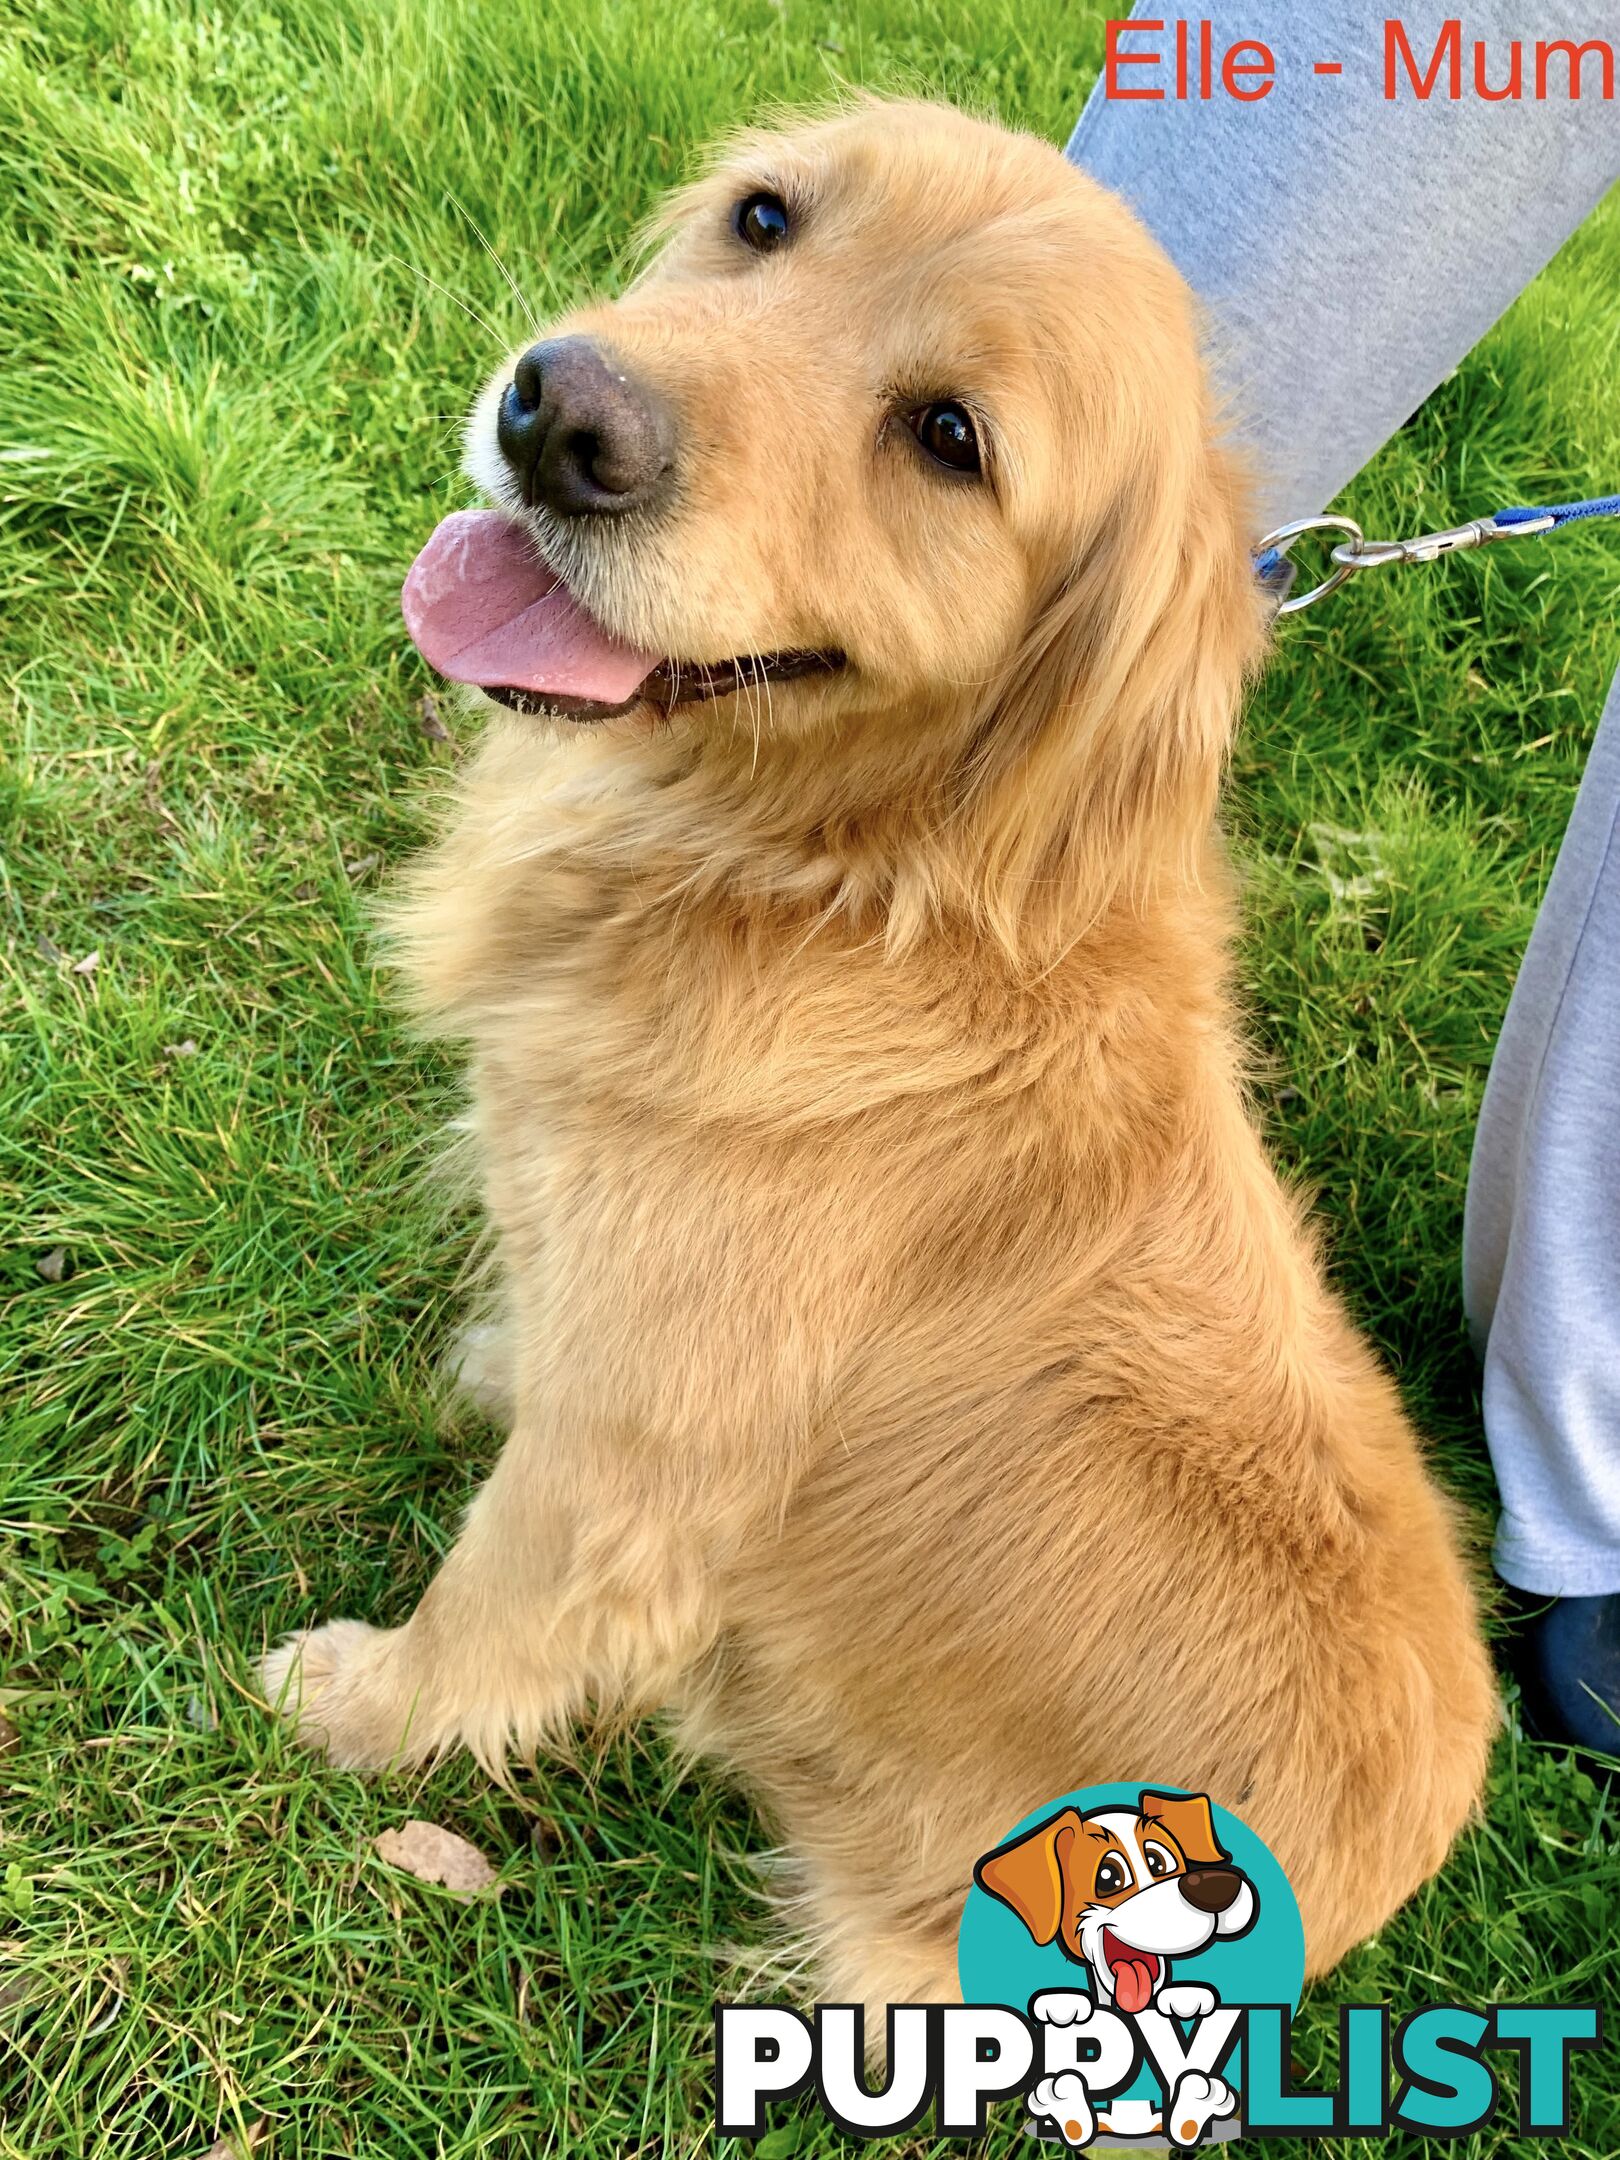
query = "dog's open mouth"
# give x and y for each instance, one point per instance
(482, 608)
(1135, 1972)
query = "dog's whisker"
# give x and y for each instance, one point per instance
(529, 311)
(756, 684)
(455, 299)
(770, 705)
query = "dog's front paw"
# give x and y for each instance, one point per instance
(1187, 1999)
(340, 1688)
(1061, 2006)
(1064, 2102)
(1197, 2101)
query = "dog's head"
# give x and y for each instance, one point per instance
(1123, 1890)
(890, 482)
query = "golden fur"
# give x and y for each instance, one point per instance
(919, 1384)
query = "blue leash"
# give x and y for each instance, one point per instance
(1563, 513)
(1355, 552)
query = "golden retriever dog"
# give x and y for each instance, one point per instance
(918, 1385)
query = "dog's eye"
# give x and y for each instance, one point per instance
(1159, 1861)
(1111, 1878)
(947, 433)
(761, 221)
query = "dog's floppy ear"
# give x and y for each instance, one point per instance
(1027, 1873)
(1188, 1819)
(1097, 768)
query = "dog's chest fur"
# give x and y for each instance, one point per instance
(709, 1113)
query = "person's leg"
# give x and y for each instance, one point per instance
(1541, 1272)
(1541, 1255)
(1349, 250)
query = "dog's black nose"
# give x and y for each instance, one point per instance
(581, 435)
(1211, 1889)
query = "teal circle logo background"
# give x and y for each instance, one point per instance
(999, 1961)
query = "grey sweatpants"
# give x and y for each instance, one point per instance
(1350, 248)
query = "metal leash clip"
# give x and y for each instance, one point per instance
(1356, 552)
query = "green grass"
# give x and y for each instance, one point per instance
(229, 407)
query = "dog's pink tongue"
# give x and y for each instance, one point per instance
(481, 608)
(1133, 1985)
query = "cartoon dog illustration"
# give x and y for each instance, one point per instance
(1124, 1890)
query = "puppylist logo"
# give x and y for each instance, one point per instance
(1133, 1892)
(1131, 1958)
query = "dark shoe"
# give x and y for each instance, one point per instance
(1565, 1655)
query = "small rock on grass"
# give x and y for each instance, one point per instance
(433, 1855)
(53, 1266)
